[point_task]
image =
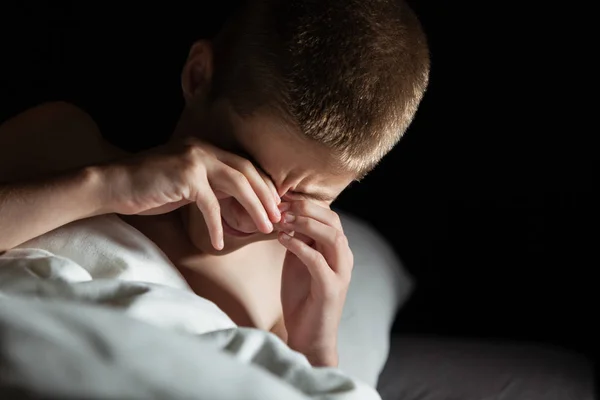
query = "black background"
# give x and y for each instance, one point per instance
(490, 198)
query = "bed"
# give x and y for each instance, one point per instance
(93, 310)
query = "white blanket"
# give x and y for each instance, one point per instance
(86, 314)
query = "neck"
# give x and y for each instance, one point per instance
(187, 125)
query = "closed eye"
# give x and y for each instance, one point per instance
(320, 197)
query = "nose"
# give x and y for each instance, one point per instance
(237, 216)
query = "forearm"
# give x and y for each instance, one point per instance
(28, 210)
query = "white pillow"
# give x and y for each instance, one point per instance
(380, 285)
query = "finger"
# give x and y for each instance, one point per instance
(211, 210)
(269, 182)
(333, 242)
(315, 262)
(271, 186)
(233, 182)
(313, 210)
(257, 182)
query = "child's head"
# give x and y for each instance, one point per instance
(348, 74)
(345, 77)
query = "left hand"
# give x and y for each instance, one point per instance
(316, 274)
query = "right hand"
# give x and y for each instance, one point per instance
(196, 172)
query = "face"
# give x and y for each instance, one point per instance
(298, 169)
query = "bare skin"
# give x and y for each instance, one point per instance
(260, 176)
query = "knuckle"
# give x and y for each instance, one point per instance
(301, 207)
(235, 177)
(340, 239)
(303, 222)
(191, 149)
(315, 257)
(351, 260)
(192, 154)
(245, 166)
(337, 220)
(197, 150)
(332, 291)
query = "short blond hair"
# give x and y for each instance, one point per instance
(349, 74)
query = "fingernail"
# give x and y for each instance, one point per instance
(285, 236)
(268, 224)
(284, 206)
(277, 214)
(289, 217)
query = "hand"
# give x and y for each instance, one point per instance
(315, 278)
(194, 172)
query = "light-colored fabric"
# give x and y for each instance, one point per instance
(56, 349)
(37, 273)
(379, 286)
(107, 247)
(104, 262)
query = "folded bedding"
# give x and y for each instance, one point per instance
(114, 320)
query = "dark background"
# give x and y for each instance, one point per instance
(489, 198)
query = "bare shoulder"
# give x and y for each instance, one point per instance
(50, 138)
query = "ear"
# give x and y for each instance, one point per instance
(197, 71)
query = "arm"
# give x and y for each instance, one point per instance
(28, 210)
(101, 181)
(36, 148)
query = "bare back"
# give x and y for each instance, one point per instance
(49, 139)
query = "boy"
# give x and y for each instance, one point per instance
(289, 104)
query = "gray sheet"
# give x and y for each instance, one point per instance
(444, 369)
